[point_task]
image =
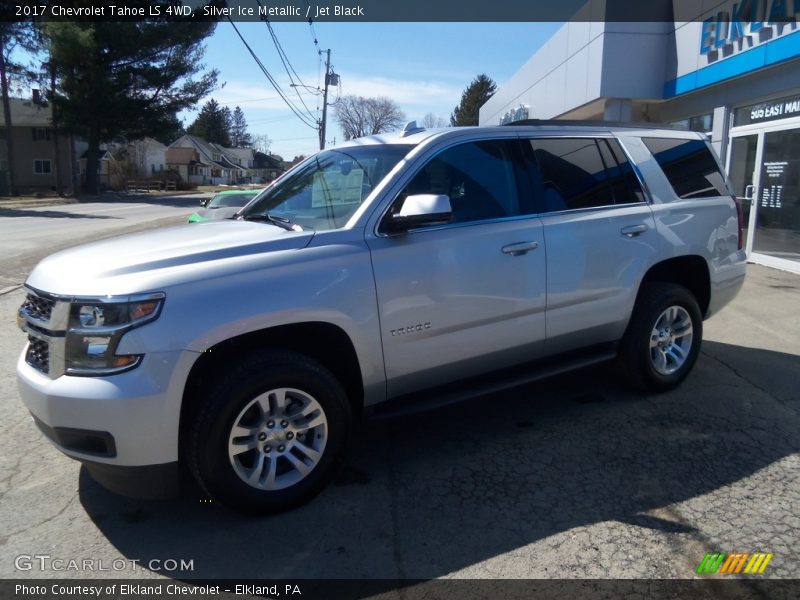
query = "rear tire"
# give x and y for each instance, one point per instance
(663, 338)
(269, 433)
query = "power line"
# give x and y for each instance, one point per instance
(294, 139)
(270, 120)
(287, 65)
(243, 100)
(272, 80)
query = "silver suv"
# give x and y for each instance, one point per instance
(417, 267)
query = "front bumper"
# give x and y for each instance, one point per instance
(137, 412)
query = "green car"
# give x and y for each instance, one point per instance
(223, 205)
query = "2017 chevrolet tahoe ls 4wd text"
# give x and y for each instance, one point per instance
(427, 263)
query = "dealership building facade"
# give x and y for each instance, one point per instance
(732, 72)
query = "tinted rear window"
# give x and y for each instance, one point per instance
(583, 173)
(689, 166)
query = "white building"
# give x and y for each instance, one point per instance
(147, 156)
(732, 71)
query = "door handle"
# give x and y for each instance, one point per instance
(633, 230)
(520, 248)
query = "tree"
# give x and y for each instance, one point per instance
(126, 78)
(13, 36)
(213, 124)
(359, 116)
(261, 142)
(239, 136)
(474, 96)
(173, 129)
(431, 121)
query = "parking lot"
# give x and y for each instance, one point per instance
(575, 477)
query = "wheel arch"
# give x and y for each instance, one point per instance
(323, 342)
(690, 271)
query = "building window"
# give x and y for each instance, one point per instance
(700, 123)
(41, 134)
(42, 166)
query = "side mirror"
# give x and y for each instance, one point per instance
(204, 202)
(419, 210)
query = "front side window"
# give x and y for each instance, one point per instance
(689, 166)
(479, 178)
(326, 190)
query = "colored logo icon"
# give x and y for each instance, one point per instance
(732, 564)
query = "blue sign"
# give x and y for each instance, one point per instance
(746, 19)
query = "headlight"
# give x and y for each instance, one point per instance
(96, 327)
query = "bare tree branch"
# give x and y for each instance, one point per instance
(359, 116)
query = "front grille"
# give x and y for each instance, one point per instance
(38, 308)
(38, 355)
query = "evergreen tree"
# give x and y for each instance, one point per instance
(213, 124)
(239, 136)
(126, 78)
(477, 93)
(14, 36)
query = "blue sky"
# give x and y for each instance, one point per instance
(424, 67)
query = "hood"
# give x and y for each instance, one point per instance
(158, 258)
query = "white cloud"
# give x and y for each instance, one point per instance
(412, 95)
(404, 92)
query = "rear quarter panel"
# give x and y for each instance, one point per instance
(705, 227)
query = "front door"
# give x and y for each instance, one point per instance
(458, 300)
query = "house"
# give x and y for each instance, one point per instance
(42, 160)
(268, 166)
(245, 158)
(146, 157)
(110, 171)
(207, 164)
(186, 163)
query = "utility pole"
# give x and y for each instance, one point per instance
(322, 123)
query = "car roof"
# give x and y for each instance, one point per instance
(232, 192)
(413, 136)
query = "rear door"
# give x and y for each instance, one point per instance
(599, 234)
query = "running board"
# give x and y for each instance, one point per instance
(491, 383)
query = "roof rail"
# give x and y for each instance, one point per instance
(596, 123)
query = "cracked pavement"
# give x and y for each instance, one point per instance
(574, 477)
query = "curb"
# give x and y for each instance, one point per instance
(112, 197)
(34, 202)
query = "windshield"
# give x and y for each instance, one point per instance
(230, 200)
(326, 191)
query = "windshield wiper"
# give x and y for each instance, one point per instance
(273, 219)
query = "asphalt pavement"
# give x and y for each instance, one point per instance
(30, 231)
(574, 477)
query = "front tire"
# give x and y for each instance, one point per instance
(663, 338)
(268, 435)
